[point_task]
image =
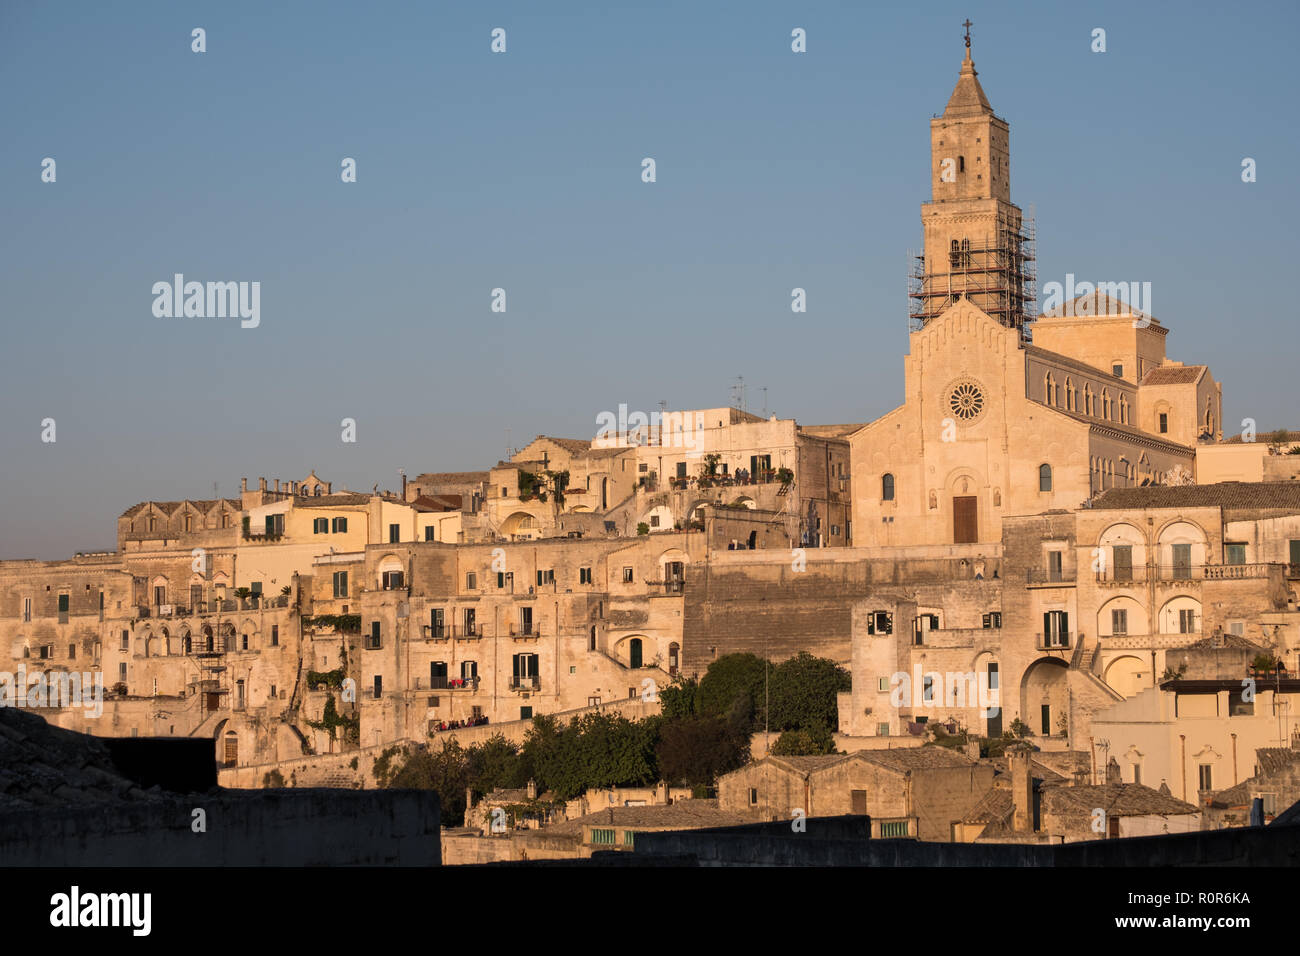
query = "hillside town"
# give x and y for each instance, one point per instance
(1050, 600)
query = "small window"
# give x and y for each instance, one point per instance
(753, 797)
(1234, 554)
(1117, 370)
(627, 575)
(379, 686)
(882, 730)
(340, 525)
(275, 635)
(1206, 776)
(373, 641)
(1164, 423)
(882, 684)
(880, 622)
(428, 533)
(394, 533)
(584, 575)
(340, 584)
(1119, 621)
(471, 581)
(887, 487)
(1044, 477)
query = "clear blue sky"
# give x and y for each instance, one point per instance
(522, 170)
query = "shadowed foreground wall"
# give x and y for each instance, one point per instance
(746, 846)
(244, 828)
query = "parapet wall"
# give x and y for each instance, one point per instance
(262, 828)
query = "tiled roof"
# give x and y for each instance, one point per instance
(1224, 639)
(805, 765)
(1096, 305)
(684, 814)
(169, 507)
(905, 759)
(996, 807)
(1224, 494)
(437, 503)
(1174, 375)
(453, 477)
(331, 501)
(1117, 799)
(573, 446)
(1273, 759)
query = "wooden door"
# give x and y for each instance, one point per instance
(965, 519)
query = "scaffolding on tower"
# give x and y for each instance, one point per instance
(996, 274)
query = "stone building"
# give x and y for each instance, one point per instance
(911, 792)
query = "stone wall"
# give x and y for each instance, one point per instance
(272, 828)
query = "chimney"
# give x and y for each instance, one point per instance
(277, 486)
(295, 489)
(1022, 791)
(243, 485)
(403, 486)
(532, 789)
(328, 486)
(261, 484)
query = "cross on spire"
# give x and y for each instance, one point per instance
(967, 24)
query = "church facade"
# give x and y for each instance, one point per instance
(1005, 414)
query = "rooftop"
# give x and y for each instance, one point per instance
(1283, 495)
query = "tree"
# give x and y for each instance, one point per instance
(680, 698)
(496, 764)
(695, 751)
(445, 771)
(733, 684)
(810, 741)
(803, 692)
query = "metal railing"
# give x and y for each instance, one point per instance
(1054, 642)
(525, 683)
(447, 683)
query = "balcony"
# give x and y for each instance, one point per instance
(522, 632)
(437, 632)
(532, 682)
(668, 586)
(1054, 642)
(469, 684)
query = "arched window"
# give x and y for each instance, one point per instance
(1044, 477)
(887, 488)
(1105, 403)
(1069, 395)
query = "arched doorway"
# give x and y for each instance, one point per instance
(1045, 698)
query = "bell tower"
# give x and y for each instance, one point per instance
(976, 243)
